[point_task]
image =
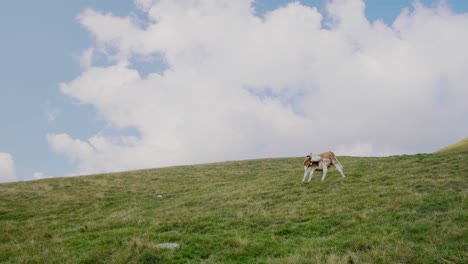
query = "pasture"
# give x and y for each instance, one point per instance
(399, 209)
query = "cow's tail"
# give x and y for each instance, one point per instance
(337, 161)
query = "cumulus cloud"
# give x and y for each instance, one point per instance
(239, 86)
(38, 175)
(7, 168)
(86, 58)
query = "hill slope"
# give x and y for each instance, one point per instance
(401, 209)
(461, 146)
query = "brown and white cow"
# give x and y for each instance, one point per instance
(320, 162)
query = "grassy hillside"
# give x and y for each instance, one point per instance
(461, 146)
(401, 209)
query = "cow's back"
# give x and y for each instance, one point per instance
(328, 155)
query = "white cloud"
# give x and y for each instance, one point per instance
(238, 86)
(39, 175)
(363, 150)
(7, 168)
(86, 58)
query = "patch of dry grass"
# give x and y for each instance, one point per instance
(461, 146)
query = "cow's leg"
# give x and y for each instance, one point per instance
(311, 175)
(325, 169)
(305, 174)
(340, 169)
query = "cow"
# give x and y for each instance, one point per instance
(321, 162)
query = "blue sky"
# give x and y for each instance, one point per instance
(40, 46)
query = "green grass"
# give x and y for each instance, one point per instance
(400, 209)
(461, 146)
